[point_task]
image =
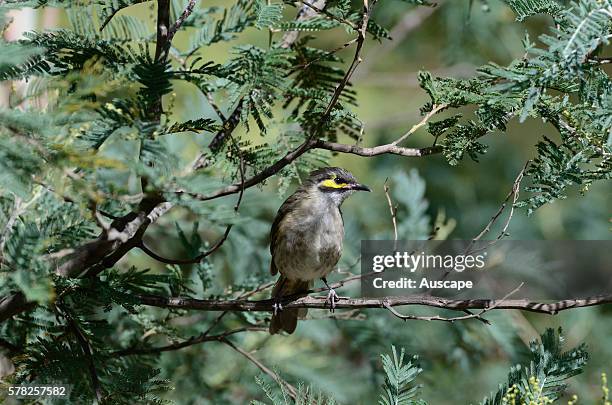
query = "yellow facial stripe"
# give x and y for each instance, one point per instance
(332, 184)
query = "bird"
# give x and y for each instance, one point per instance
(306, 240)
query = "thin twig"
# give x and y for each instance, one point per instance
(361, 30)
(411, 21)
(115, 11)
(88, 353)
(141, 245)
(434, 110)
(189, 342)
(181, 19)
(514, 194)
(330, 15)
(393, 211)
(456, 318)
(292, 391)
(329, 53)
(304, 13)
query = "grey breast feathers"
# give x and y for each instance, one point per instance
(306, 242)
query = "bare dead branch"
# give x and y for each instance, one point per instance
(434, 110)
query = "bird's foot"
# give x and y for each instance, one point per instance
(277, 306)
(332, 299)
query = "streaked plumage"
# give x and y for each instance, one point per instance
(306, 237)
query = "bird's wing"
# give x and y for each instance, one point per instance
(285, 208)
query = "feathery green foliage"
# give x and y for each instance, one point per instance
(561, 83)
(543, 380)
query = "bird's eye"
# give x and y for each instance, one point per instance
(339, 180)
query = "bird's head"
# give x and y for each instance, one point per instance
(334, 183)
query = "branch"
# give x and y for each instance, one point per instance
(88, 353)
(514, 194)
(196, 259)
(321, 10)
(393, 210)
(115, 11)
(304, 13)
(434, 110)
(363, 26)
(121, 237)
(189, 342)
(376, 150)
(229, 125)
(292, 391)
(325, 55)
(165, 32)
(469, 315)
(217, 245)
(310, 144)
(163, 24)
(14, 304)
(314, 302)
(411, 21)
(181, 19)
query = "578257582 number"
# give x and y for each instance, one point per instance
(37, 391)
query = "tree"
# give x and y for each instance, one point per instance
(90, 163)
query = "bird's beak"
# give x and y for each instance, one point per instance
(362, 187)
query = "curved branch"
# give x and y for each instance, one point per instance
(196, 259)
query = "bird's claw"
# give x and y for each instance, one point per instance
(332, 299)
(277, 306)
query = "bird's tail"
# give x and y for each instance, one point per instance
(286, 319)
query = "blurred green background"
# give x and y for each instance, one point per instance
(462, 361)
